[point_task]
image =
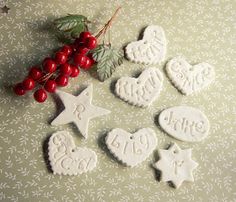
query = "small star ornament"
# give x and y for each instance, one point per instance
(176, 165)
(78, 110)
(4, 9)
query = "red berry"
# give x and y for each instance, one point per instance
(83, 36)
(35, 73)
(28, 84)
(60, 57)
(50, 86)
(91, 58)
(88, 64)
(62, 80)
(67, 50)
(91, 42)
(19, 90)
(40, 95)
(49, 65)
(65, 69)
(82, 50)
(74, 71)
(79, 59)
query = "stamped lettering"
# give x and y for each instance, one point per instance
(184, 123)
(67, 159)
(129, 148)
(141, 91)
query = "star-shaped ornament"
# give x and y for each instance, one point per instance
(176, 165)
(4, 9)
(78, 110)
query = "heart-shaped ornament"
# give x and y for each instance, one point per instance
(67, 159)
(185, 123)
(131, 149)
(151, 49)
(141, 91)
(189, 78)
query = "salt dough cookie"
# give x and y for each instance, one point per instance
(184, 123)
(151, 49)
(176, 165)
(131, 149)
(67, 159)
(189, 78)
(79, 110)
(141, 91)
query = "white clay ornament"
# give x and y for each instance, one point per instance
(184, 123)
(131, 149)
(176, 165)
(141, 91)
(188, 78)
(151, 49)
(67, 159)
(79, 110)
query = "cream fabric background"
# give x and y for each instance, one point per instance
(201, 30)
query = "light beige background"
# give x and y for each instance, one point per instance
(200, 30)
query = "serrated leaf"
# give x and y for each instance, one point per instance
(73, 24)
(107, 59)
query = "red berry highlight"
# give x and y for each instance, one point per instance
(50, 86)
(62, 80)
(67, 50)
(82, 50)
(49, 65)
(65, 69)
(60, 57)
(19, 90)
(88, 64)
(91, 42)
(74, 71)
(79, 59)
(28, 84)
(83, 36)
(40, 95)
(35, 73)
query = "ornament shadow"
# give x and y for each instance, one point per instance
(101, 141)
(45, 153)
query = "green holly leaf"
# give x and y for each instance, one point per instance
(107, 58)
(72, 24)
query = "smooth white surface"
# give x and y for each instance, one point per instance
(67, 159)
(176, 165)
(151, 49)
(189, 78)
(131, 149)
(79, 110)
(184, 123)
(141, 91)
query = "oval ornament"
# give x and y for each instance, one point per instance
(184, 123)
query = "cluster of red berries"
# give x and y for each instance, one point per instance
(56, 71)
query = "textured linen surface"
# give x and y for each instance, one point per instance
(201, 30)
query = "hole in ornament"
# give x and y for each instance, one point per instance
(131, 137)
(73, 150)
(175, 151)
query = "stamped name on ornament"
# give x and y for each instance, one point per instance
(68, 159)
(131, 149)
(184, 123)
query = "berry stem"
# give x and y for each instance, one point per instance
(107, 26)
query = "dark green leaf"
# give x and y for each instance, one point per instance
(73, 24)
(107, 59)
